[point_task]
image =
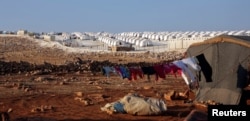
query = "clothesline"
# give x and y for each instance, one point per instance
(187, 68)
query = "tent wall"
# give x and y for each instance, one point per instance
(225, 73)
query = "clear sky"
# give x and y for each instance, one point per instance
(124, 15)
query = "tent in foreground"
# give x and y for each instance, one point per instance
(225, 63)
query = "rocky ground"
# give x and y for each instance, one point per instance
(49, 84)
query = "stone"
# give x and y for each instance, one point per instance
(79, 94)
(170, 95)
(62, 83)
(78, 98)
(147, 87)
(26, 89)
(98, 87)
(39, 79)
(10, 110)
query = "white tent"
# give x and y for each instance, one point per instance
(134, 40)
(137, 43)
(145, 43)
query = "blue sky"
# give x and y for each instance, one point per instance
(124, 15)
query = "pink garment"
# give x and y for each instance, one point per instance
(159, 69)
(172, 69)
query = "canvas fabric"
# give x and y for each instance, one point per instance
(224, 64)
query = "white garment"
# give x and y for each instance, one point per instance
(185, 78)
(191, 61)
(186, 74)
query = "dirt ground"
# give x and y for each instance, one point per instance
(60, 103)
(53, 96)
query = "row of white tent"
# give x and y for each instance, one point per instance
(165, 36)
(81, 36)
(125, 41)
(141, 42)
(111, 42)
(162, 36)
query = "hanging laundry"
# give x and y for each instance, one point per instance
(192, 62)
(195, 68)
(170, 68)
(118, 70)
(206, 69)
(159, 71)
(107, 70)
(187, 75)
(148, 70)
(134, 72)
(125, 72)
